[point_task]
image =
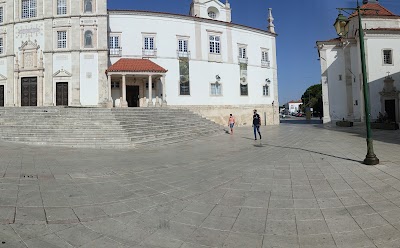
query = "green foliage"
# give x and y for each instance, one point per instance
(312, 98)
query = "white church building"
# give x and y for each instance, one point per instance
(341, 75)
(78, 53)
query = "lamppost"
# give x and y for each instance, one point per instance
(342, 30)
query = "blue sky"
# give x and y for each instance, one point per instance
(299, 25)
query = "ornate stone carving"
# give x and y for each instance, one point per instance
(30, 31)
(29, 55)
(62, 73)
(389, 90)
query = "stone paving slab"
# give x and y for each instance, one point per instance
(301, 186)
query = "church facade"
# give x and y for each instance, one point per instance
(341, 75)
(59, 53)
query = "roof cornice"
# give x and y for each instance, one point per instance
(191, 18)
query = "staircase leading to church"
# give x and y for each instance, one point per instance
(102, 128)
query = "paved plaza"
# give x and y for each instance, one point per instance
(302, 186)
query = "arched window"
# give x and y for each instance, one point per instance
(212, 14)
(88, 38)
(88, 6)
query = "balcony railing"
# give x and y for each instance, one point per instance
(181, 54)
(116, 51)
(147, 53)
(243, 60)
(265, 64)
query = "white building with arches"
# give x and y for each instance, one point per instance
(57, 52)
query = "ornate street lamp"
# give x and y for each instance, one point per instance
(341, 26)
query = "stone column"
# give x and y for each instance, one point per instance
(124, 103)
(150, 91)
(40, 91)
(164, 96)
(110, 103)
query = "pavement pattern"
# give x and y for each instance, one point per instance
(301, 186)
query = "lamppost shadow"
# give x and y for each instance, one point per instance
(315, 152)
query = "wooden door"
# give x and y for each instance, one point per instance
(62, 94)
(29, 91)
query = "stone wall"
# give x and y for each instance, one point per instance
(243, 114)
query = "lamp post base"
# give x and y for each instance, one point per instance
(371, 160)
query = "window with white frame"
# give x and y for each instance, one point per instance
(265, 90)
(215, 44)
(61, 7)
(264, 56)
(1, 45)
(148, 43)
(28, 9)
(387, 57)
(216, 89)
(1, 14)
(242, 53)
(61, 39)
(183, 45)
(114, 45)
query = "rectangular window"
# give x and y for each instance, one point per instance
(28, 9)
(265, 90)
(61, 7)
(387, 57)
(1, 46)
(216, 89)
(61, 39)
(183, 46)
(244, 90)
(114, 45)
(264, 56)
(215, 44)
(149, 43)
(1, 14)
(114, 42)
(340, 77)
(242, 53)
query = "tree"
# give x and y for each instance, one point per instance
(312, 98)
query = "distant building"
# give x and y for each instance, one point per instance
(294, 106)
(341, 75)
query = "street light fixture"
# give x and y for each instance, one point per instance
(341, 26)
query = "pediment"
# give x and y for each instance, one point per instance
(29, 45)
(62, 73)
(2, 77)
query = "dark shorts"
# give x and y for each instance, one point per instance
(231, 125)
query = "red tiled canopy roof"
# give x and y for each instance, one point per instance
(298, 101)
(376, 10)
(136, 65)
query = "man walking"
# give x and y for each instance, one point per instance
(231, 123)
(256, 124)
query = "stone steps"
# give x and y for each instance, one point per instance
(103, 128)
